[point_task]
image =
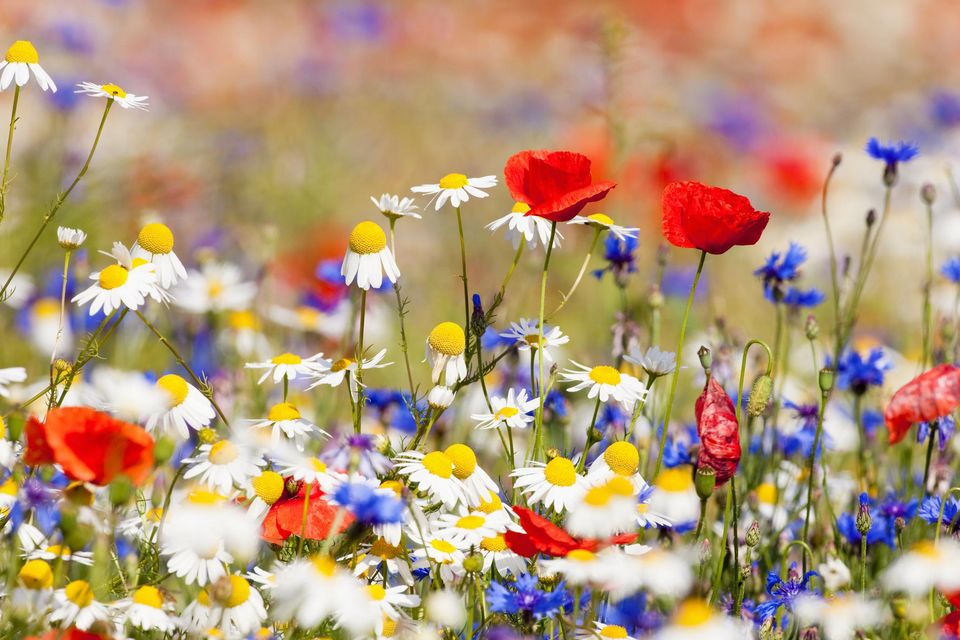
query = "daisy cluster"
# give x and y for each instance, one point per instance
(254, 482)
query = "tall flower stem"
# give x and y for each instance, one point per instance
(676, 368)
(583, 270)
(824, 394)
(63, 311)
(931, 439)
(593, 423)
(926, 329)
(6, 160)
(538, 425)
(358, 409)
(498, 299)
(59, 202)
(834, 273)
(463, 276)
(401, 315)
(718, 572)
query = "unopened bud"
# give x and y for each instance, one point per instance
(826, 379)
(864, 520)
(811, 329)
(871, 217)
(473, 563)
(706, 358)
(121, 488)
(705, 482)
(890, 174)
(655, 299)
(163, 450)
(207, 436)
(759, 396)
(753, 535)
(837, 159)
(899, 524)
(552, 453)
(928, 193)
(478, 321)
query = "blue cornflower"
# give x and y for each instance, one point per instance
(783, 592)
(369, 506)
(871, 421)
(677, 449)
(491, 339)
(798, 298)
(556, 404)
(676, 283)
(611, 416)
(930, 511)
(525, 597)
(858, 374)
(881, 527)
(785, 267)
(633, 615)
(942, 430)
(359, 451)
(951, 270)
(620, 256)
(945, 108)
(892, 508)
(892, 152)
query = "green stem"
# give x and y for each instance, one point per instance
(926, 329)
(358, 409)
(463, 270)
(538, 423)
(583, 270)
(718, 572)
(810, 464)
(593, 423)
(6, 163)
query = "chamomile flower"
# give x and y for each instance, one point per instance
(605, 382)
(695, 619)
(307, 469)
(440, 397)
(457, 188)
(382, 553)
(238, 606)
(395, 207)
(34, 589)
(662, 573)
(603, 631)
(527, 338)
(433, 474)
(129, 395)
(444, 549)
(924, 567)
(187, 408)
(497, 554)
(445, 348)
(36, 546)
(512, 412)
(9, 376)
(556, 484)
(647, 517)
(224, 464)
(526, 228)
(310, 591)
(263, 491)
(76, 605)
(477, 485)
(333, 374)
(21, 59)
(155, 245)
(605, 510)
(472, 526)
(69, 238)
(285, 423)
(368, 257)
(654, 361)
(216, 287)
(582, 567)
(387, 601)
(675, 497)
(287, 365)
(113, 92)
(622, 459)
(127, 283)
(603, 221)
(840, 617)
(145, 610)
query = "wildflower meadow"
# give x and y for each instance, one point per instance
(494, 401)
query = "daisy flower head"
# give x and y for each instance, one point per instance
(388, 601)
(457, 188)
(605, 510)
(477, 484)
(382, 552)
(69, 238)
(440, 397)
(619, 459)
(22, 59)
(155, 245)
(8, 376)
(127, 283)
(263, 492)
(187, 408)
(443, 548)
(433, 474)
(654, 361)
(113, 92)
(605, 382)
(580, 567)
(76, 605)
(497, 554)
(603, 631)
(926, 566)
(662, 573)
(556, 484)
(646, 517)
(285, 423)
(308, 469)
(446, 345)
(840, 617)
(512, 411)
(36, 546)
(310, 591)
(473, 526)
(34, 588)
(601, 221)
(333, 374)
(521, 227)
(224, 464)
(287, 366)
(395, 207)
(368, 257)
(145, 610)
(525, 333)
(695, 619)
(675, 497)
(217, 286)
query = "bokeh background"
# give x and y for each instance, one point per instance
(272, 122)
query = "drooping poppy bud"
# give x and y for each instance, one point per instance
(709, 218)
(931, 395)
(719, 432)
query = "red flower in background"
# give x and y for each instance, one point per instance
(285, 518)
(931, 395)
(556, 185)
(89, 445)
(67, 634)
(718, 430)
(709, 218)
(542, 536)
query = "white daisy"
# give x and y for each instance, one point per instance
(332, 374)
(604, 511)
(556, 484)
(663, 573)
(285, 422)
(76, 605)
(527, 228)
(457, 188)
(654, 361)
(605, 382)
(514, 411)
(129, 395)
(647, 517)
(926, 566)
(840, 617)
(582, 567)
(43, 324)
(127, 283)
(36, 546)
(224, 464)
(674, 496)
(477, 484)
(113, 92)
(497, 554)
(145, 609)
(603, 221)
(471, 527)
(69, 238)
(8, 376)
(330, 324)
(442, 549)
(187, 408)
(262, 492)
(381, 553)
(368, 257)
(21, 59)
(603, 631)
(239, 607)
(445, 348)
(34, 589)
(395, 207)
(307, 469)
(440, 397)
(155, 244)
(216, 287)
(695, 619)
(287, 365)
(310, 591)
(433, 474)
(387, 601)
(526, 336)
(620, 458)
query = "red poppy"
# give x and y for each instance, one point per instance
(285, 518)
(951, 625)
(719, 432)
(709, 218)
(931, 395)
(556, 185)
(89, 445)
(542, 536)
(67, 634)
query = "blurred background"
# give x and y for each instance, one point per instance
(272, 123)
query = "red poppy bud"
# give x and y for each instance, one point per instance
(931, 395)
(719, 432)
(709, 218)
(556, 185)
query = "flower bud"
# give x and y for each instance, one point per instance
(890, 174)
(899, 524)
(440, 397)
(121, 488)
(655, 299)
(746, 570)
(837, 159)
(864, 520)
(753, 535)
(811, 329)
(928, 193)
(478, 321)
(163, 450)
(705, 481)
(473, 563)
(759, 396)
(552, 453)
(207, 436)
(826, 379)
(706, 358)
(871, 217)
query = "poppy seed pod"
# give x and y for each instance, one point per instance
(759, 396)
(825, 379)
(705, 481)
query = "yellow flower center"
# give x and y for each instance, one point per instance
(287, 358)
(214, 288)
(453, 181)
(560, 472)
(36, 574)
(201, 496)
(613, 631)
(22, 51)
(693, 613)
(79, 593)
(113, 276)
(767, 493)
(532, 339)
(207, 435)
(520, 207)
(367, 237)
(138, 262)
(117, 92)
(442, 546)
(384, 550)
(619, 486)
(597, 497)
(492, 504)
(239, 592)
(376, 592)
(154, 515)
(318, 465)
(9, 487)
(495, 543)
(155, 237)
(243, 320)
(283, 411)
(675, 480)
(268, 486)
(394, 485)
(506, 412)
(581, 555)
(46, 307)
(927, 549)
(448, 338)
(471, 522)
(59, 550)
(223, 452)
(308, 316)
(438, 463)
(324, 565)
(204, 597)
(389, 626)
(175, 386)
(149, 596)
(622, 458)
(602, 218)
(605, 375)
(341, 364)
(464, 460)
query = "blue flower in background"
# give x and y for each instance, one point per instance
(781, 268)
(892, 153)
(942, 430)
(892, 508)
(633, 615)
(369, 506)
(858, 374)
(945, 108)
(676, 283)
(783, 593)
(491, 340)
(929, 512)
(556, 404)
(881, 530)
(620, 256)
(951, 270)
(525, 597)
(797, 298)
(677, 449)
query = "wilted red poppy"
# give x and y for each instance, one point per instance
(89, 445)
(542, 536)
(555, 184)
(709, 218)
(931, 395)
(285, 518)
(718, 431)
